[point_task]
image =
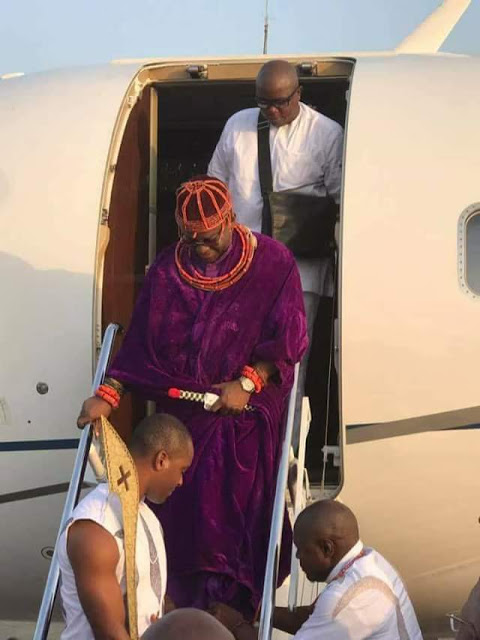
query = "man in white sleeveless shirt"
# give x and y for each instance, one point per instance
(91, 549)
(364, 597)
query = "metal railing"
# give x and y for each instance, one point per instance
(83, 454)
(271, 571)
(302, 496)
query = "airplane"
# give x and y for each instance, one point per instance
(91, 158)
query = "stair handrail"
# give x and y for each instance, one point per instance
(302, 491)
(271, 570)
(73, 493)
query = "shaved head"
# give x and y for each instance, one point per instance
(328, 519)
(278, 74)
(278, 93)
(324, 532)
(187, 624)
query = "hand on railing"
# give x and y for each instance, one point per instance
(92, 409)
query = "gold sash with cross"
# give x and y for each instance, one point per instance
(123, 480)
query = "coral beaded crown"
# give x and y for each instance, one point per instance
(204, 204)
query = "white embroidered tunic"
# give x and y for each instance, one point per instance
(368, 601)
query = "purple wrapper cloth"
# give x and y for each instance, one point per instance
(217, 524)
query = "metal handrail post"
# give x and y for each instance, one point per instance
(271, 570)
(299, 503)
(51, 586)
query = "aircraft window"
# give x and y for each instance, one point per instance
(472, 267)
(469, 250)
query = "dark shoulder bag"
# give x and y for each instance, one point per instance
(304, 223)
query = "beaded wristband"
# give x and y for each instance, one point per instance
(253, 375)
(110, 391)
(108, 394)
(257, 373)
(107, 398)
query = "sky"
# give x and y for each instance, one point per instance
(42, 34)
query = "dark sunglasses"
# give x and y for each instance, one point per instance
(191, 241)
(278, 103)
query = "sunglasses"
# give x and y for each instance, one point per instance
(193, 241)
(278, 103)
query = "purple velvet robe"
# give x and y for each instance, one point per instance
(217, 524)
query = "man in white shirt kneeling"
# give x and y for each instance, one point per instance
(364, 597)
(91, 549)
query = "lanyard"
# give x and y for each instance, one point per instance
(351, 562)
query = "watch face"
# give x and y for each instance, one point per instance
(247, 384)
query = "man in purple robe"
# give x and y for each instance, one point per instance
(222, 312)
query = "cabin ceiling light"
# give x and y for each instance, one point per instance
(305, 68)
(196, 71)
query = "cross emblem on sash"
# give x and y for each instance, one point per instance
(123, 479)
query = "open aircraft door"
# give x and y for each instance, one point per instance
(410, 312)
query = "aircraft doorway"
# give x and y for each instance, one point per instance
(188, 120)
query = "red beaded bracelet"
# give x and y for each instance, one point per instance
(263, 382)
(108, 391)
(111, 391)
(108, 394)
(253, 375)
(105, 396)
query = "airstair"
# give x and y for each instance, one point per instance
(86, 452)
(295, 592)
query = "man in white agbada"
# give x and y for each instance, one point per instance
(364, 597)
(306, 151)
(91, 549)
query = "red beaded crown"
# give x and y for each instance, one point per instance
(203, 203)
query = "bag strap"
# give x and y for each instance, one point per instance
(265, 171)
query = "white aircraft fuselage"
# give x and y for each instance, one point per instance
(407, 344)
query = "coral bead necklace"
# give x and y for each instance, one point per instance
(199, 281)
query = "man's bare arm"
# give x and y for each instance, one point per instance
(291, 621)
(283, 619)
(93, 554)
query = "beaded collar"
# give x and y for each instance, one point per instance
(199, 281)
